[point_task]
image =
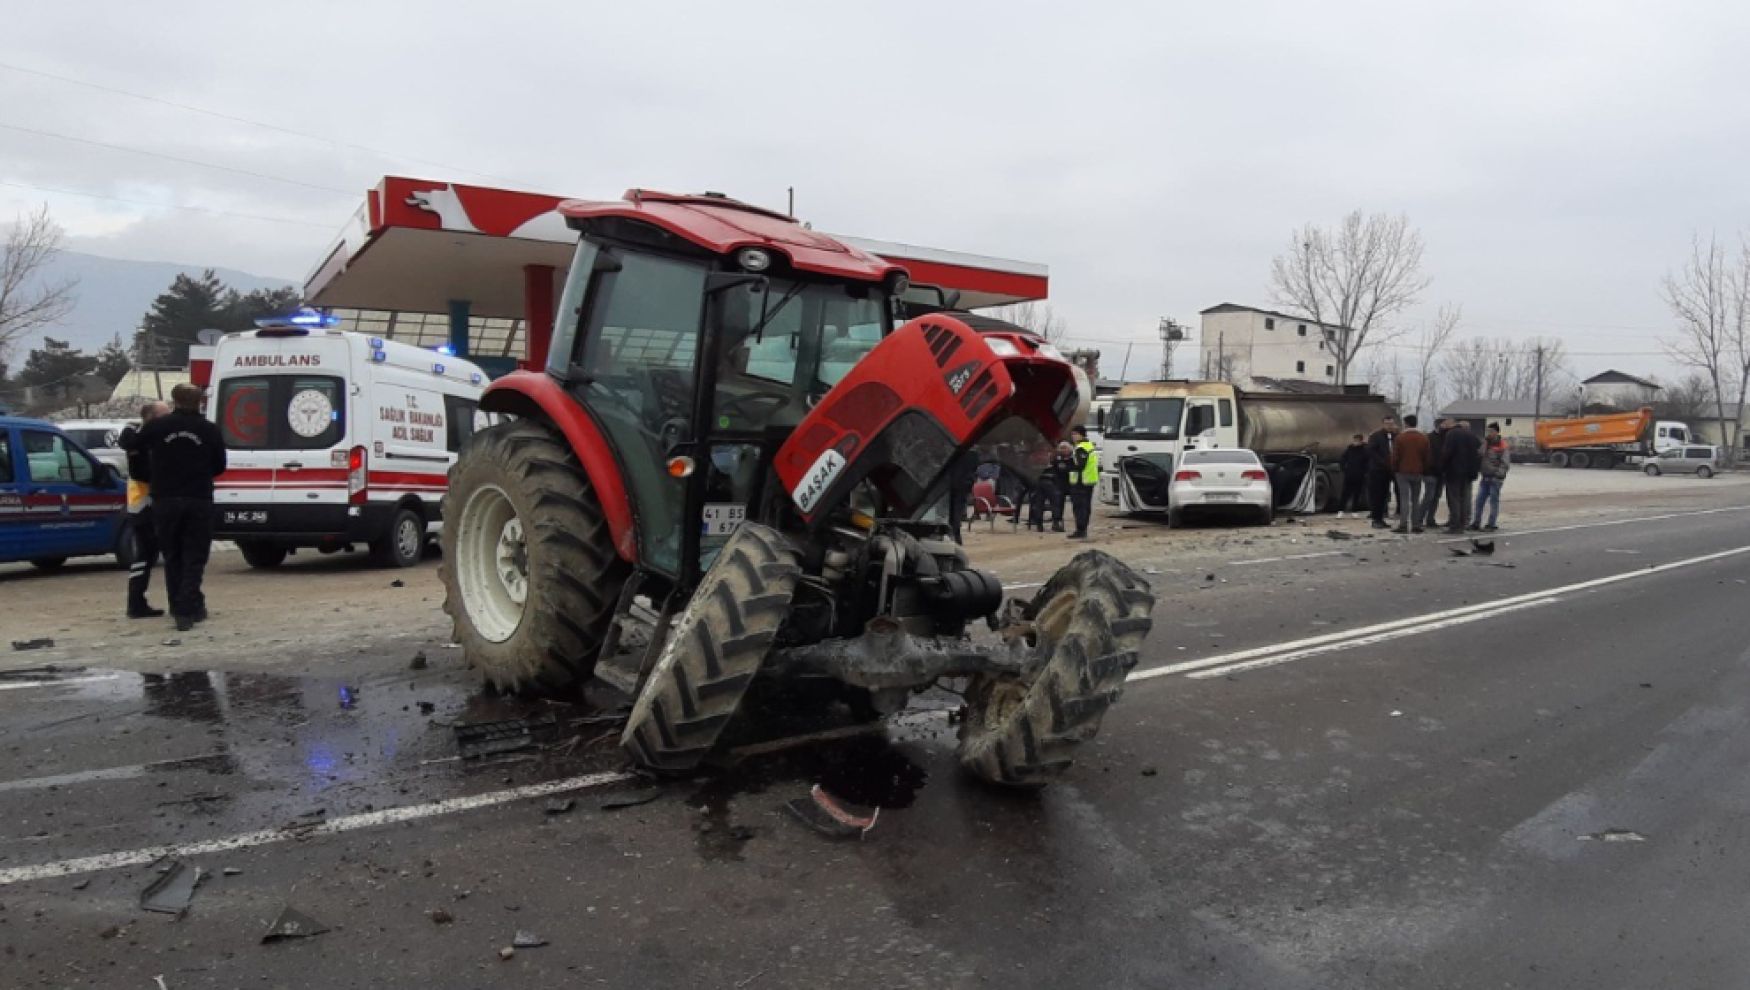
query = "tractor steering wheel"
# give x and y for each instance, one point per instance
(732, 407)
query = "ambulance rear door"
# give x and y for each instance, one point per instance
(283, 403)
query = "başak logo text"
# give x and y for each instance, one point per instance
(277, 361)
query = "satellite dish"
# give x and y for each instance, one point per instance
(208, 338)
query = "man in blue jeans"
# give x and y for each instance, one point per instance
(1496, 460)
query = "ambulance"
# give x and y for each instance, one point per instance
(335, 439)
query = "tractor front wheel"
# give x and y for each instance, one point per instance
(530, 575)
(713, 652)
(1088, 623)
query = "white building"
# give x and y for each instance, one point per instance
(1239, 344)
(1618, 390)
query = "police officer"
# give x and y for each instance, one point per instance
(1053, 484)
(1084, 475)
(186, 453)
(140, 515)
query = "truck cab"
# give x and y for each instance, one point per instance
(1148, 427)
(56, 500)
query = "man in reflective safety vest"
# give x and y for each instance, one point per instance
(140, 520)
(1082, 478)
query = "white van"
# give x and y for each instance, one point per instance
(335, 439)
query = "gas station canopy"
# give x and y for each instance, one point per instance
(423, 246)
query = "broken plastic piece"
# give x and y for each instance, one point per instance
(1613, 835)
(32, 644)
(829, 816)
(527, 940)
(1337, 534)
(560, 806)
(486, 738)
(1483, 547)
(173, 889)
(292, 923)
(630, 799)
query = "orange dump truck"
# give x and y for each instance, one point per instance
(1606, 440)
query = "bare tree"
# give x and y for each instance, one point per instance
(1484, 368)
(1687, 400)
(1385, 373)
(1739, 341)
(1038, 317)
(1431, 344)
(1707, 296)
(1352, 279)
(27, 302)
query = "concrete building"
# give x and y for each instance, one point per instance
(1618, 390)
(1516, 416)
(1240, 343)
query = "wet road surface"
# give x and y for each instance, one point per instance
(1419, 789)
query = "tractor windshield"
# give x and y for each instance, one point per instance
(793, 340)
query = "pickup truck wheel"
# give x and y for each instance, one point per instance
(1652, 470)
(48, 563)
(530, 575)
(1088, 623)
(713, 652)
(262, 556)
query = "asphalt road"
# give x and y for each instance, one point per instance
(1386, 766)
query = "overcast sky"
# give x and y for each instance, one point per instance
(1154, 155)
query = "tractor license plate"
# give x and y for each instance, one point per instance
(723, 518)
(247, 517)
(1221, 497)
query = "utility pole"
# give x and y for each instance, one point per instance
(790, 211)
(1537, 398)
(1172, 335)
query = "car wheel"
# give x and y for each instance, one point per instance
(1267, 516)
(1175, 518)
(48, 563)
(1652, 470)
(1704, 472)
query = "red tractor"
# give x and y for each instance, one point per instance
(733, 448)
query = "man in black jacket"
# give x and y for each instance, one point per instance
(186, 453)
(1461, 460)
(1379, 480)
(1434, 482)
(1354, 465)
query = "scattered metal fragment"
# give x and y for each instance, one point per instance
(397, 583)
(629, 799)
(291, 924)
(828, 816)
(161, 984)
(32, 644)
(1337, 534)
(230, 871)
(172, 890)
(527, 940)
(1613, 835)
(479, 739)
(418, 661)
(1396, 714)
(560, 806)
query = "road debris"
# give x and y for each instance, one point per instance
(32, 644)
(230, 871)
(1337, 534)
(506, 953)
(397, 583)
(439, 916)
(527, 940)
(292, 923)
(418, 661)
(160, 981)
(629, 799)
(172, 890)
(560, 806)
(172, 641)
(1618, 550)
(1613, 835)
(1483, 548)
(477, 739)
(1149, 771)
(828, 816)
(1396, 714)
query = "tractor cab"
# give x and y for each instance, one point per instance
(735, 451)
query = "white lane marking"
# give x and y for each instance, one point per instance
(1425, 619)
(1292, 556)
(21, 685)
(1506, 534)
(107, 773)
(1348, 644)
(333, 826)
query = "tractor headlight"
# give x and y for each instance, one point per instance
(753, 259)
(1003, 347)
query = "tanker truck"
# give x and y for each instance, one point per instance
(1607, 440)
(1151, 423)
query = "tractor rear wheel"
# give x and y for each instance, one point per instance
(713, 651)
(1088, 623)
(530, 575)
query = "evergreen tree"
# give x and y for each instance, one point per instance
(113, 363)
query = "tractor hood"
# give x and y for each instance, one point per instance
(921, 398)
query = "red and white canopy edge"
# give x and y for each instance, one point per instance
(417, 245)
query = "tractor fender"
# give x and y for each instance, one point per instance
(536, 395)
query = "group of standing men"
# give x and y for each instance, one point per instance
(173, 457)
(1418, 468)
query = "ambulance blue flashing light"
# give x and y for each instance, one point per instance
(446, 350)
(437, 369)
(474, 379)
(379, 356)
(376, 343)
(304, 318)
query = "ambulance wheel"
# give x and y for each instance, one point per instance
(405, 542)
(262, 555)
(530, 575)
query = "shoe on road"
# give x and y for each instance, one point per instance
(1380, 525)
(1489, 528)
(144, 612)
(1078, 536)
(184, 623)
(1402, 530)
(1418, 529)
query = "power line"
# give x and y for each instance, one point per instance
(185, 161)
(234, 118)
(173, 206)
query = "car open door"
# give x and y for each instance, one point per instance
(67, 487)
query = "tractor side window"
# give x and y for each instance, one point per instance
(641, 338)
